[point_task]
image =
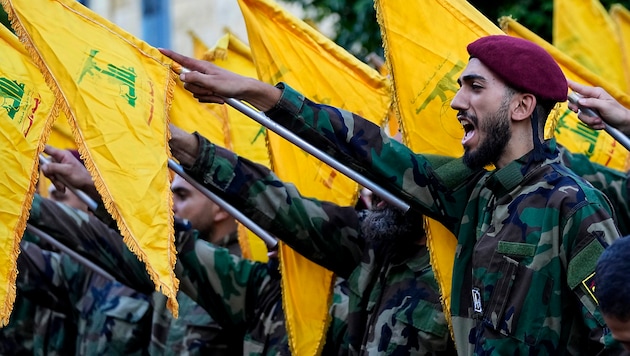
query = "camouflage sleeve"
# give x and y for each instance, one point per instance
(337, 340)
(225, 285)
(586, 233)
(40, 278)
(434, 184)
(322, 232)
(91, 238)
(612, 182)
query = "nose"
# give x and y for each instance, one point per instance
(459, 103)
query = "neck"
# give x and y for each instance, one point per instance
(520, 144)
(219, 231)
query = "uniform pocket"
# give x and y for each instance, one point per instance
(418, 323)
(519, 301)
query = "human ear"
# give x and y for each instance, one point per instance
(526, 104)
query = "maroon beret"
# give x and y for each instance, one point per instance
(523, 65)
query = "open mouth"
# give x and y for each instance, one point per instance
(469, 129)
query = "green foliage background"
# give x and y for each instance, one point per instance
(358, 31)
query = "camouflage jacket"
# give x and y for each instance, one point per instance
(529, 234)
(610, 181)
(109, 317)
(17, 336)
(193, 333)
(393, 305)
(33, 328)
(245, 296)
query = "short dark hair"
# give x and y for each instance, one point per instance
(612, 280)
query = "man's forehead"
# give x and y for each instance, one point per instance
(180, 183)
(475, 70)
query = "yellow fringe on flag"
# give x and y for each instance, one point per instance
(287, 49)
(29, 110)
(116, 91)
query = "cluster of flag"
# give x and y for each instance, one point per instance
(73, 79)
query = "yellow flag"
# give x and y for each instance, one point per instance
(287, 49)
(61, 134)
(584, 31)
(621, 19)
(569, 131)
(243, 135)
(28, 111)
(190, 115)
(116, 90)
(425, 62)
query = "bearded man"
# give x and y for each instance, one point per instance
(529, 232)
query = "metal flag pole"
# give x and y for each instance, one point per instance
(92, 205)
(264, 120)
(269, 240)
(615, 133)
(68, 251)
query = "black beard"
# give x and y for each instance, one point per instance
(498, 134)
(390, 225)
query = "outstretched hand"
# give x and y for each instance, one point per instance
(65, 167)
(610, 110)
(212, 84)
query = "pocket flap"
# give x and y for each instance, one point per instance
(425, 317)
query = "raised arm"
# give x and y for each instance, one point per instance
(91, 238)
(226, 285)
(323, 232)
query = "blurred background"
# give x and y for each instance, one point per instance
(166, 23)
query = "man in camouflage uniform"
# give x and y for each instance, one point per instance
(252, 306)
(613, 286)
(245, 296)
(394, 302)
(194, 332)
(110, 318)
(610, 181)
(528, 233)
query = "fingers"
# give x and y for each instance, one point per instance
(187, 62)
(51, 170)
(60, 187)
(197, 89)
(576, 86)
(210, 99)
(57, 154)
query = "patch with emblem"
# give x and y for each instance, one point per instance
(589, 285)
(476, 299)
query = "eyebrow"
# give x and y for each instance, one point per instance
(470, 77)
(181, 190)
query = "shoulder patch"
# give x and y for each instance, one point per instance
(589, 285)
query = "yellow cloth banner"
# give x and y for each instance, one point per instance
(621, 18)
(425, 61)
(569, 131)
(243, 135)
(61, 134)
(287, 49)
(584, 31)
(28, 111)
(116, 91)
